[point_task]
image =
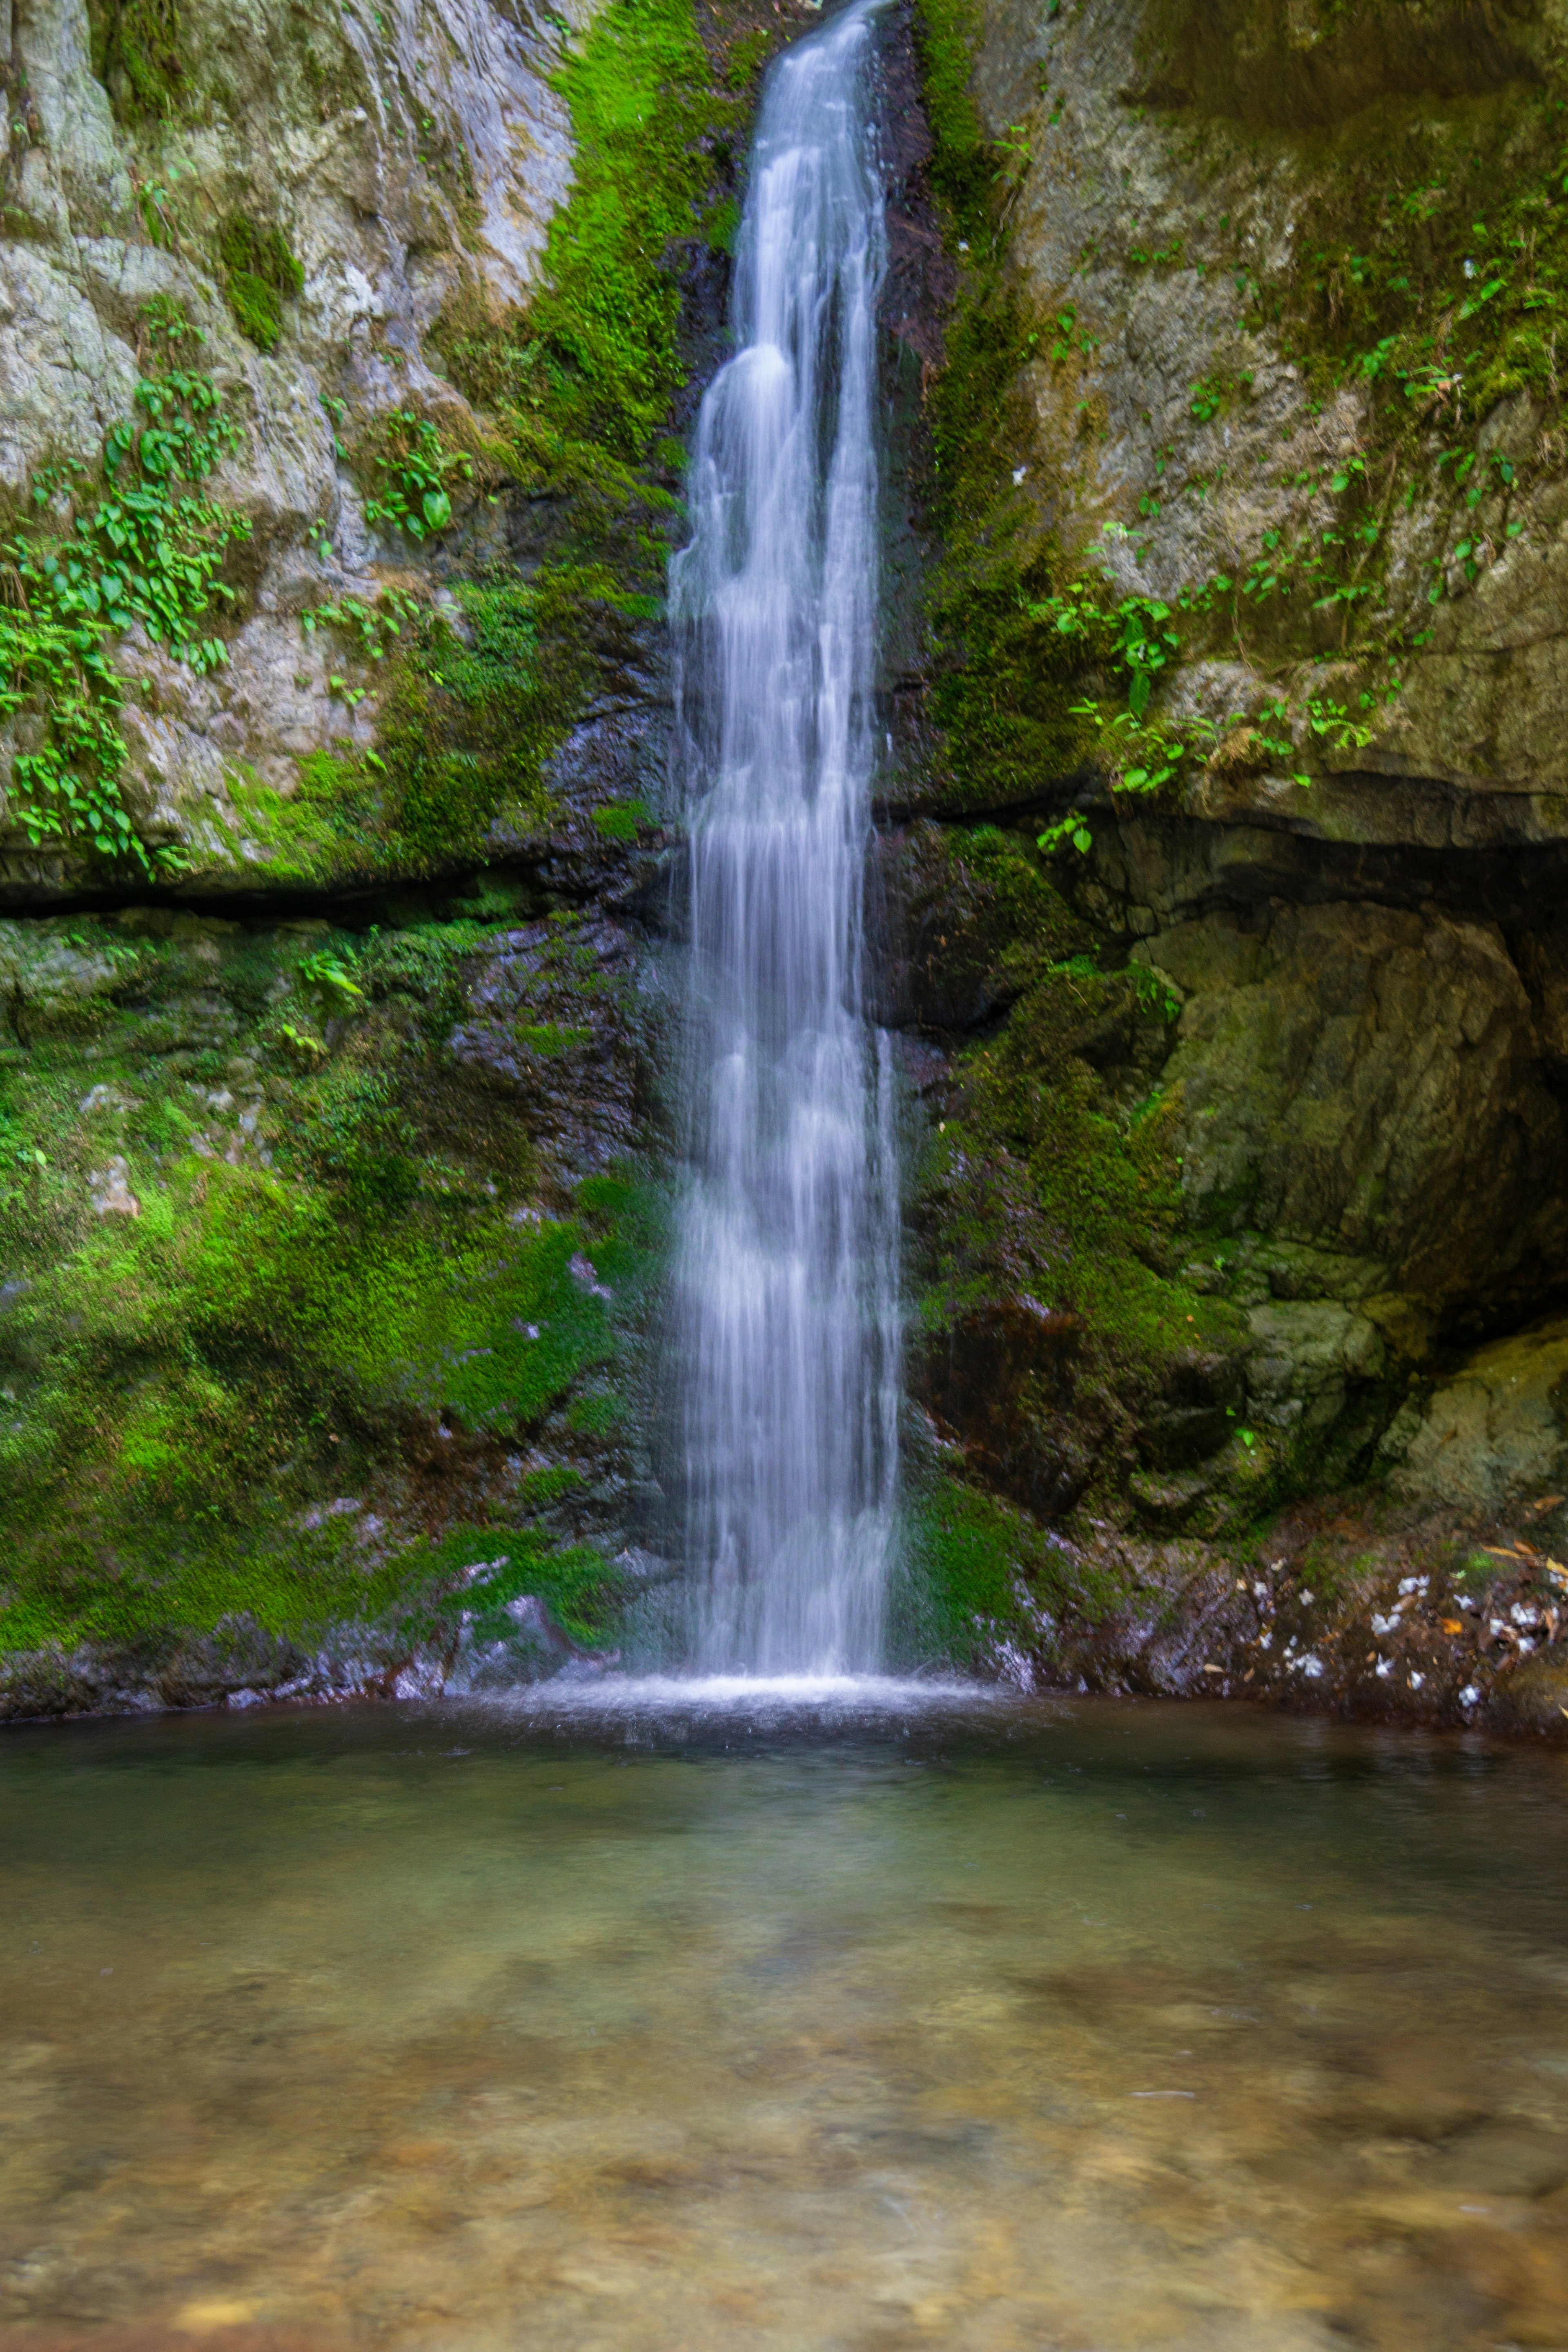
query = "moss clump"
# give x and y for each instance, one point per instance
(1005, 679)
(981, 1578)
(963, 163)
(260, 274)
(581, 382)
(137, 48)
(470, 722)
(1050, 1203)
(1046, 1185)
(622, 820)
(582, 1592)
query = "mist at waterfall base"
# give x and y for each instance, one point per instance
(784, 1338)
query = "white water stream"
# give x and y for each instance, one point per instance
(786, 1263)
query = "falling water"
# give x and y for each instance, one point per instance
(787, 1256)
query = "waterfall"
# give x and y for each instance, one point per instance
(786, 1259)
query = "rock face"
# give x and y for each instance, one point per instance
(1219, 886)
(393, 157)
(1246, 1184)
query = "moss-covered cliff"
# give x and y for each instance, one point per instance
(1231, 852)
(347, 364)
(345, 356)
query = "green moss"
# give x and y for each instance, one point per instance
(964, 162)
(1005, 678)
(582, 1592)
(578, 386)
(582, 382)
(622, 820)
(468, 724)
(469, 729)
(643, 110)
(330, 827)
(980, 1575)
(138, 54)
(296, 1582)
(260, 274)
(186, 1385)
(1039, 1178)
(1050, 1189)
(181, 1388)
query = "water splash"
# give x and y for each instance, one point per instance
(786, 1265)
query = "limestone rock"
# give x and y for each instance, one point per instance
(1162, 181)
(403, 151)
(1496, 1431)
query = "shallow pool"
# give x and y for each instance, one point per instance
(667, 2023)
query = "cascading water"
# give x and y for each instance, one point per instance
(786, 1265)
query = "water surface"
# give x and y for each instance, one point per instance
(699, 2023)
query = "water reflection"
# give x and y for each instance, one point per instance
(732, 2025)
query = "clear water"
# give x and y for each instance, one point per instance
(976, 2025)
(785, 1341)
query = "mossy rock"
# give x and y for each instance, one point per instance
(260, 274)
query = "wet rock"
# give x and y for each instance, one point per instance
(111, 1192)
(1494, 1431)
(987, 1380)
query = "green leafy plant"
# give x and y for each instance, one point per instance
(413, 473)
(331, 977)
(141, 549)
(376, 626)
(1072, 827)
(1131, 633)
(166, 322)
